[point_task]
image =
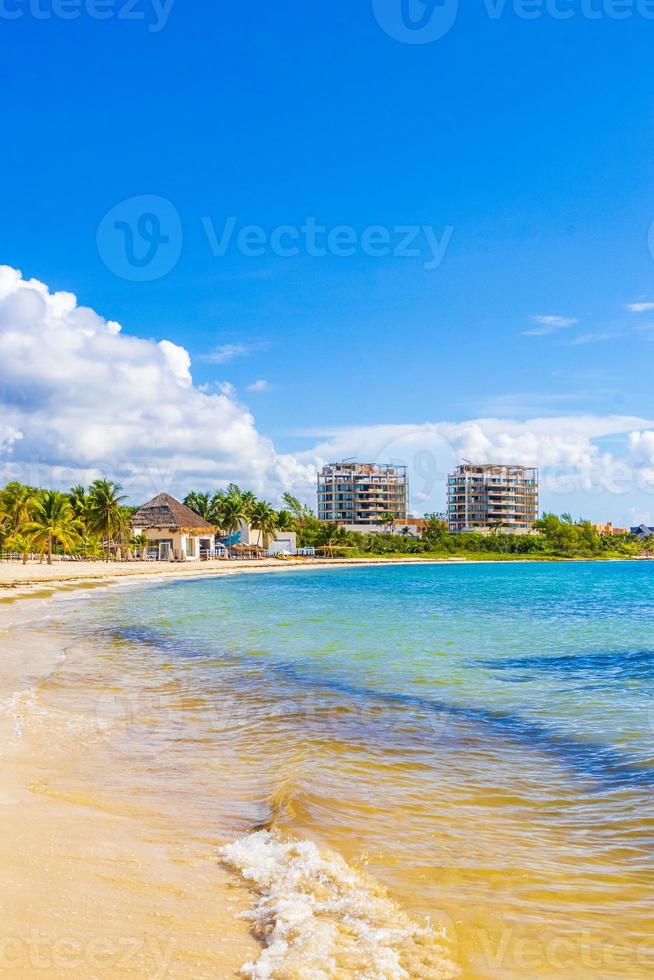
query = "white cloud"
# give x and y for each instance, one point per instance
(640, 307)
(8, 437)
(594, 338)
(641, 444)
(549, 324)
(641, 447)
(225, 353)
(260, 385)
(177, 361)
(80, 398)
(568, 450)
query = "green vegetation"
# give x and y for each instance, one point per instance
(95, 523)
(89, 524)
(225, 508)
(265, 520)
(555, 537)
(53, 522)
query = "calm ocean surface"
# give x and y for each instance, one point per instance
(476, 739)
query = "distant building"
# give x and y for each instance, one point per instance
(361, 493)
(642, 531)
(278, 541)
(489, 496)
(607, 528)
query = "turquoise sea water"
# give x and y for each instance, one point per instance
(478, 738)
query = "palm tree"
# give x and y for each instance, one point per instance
(332, 536)
(123, 533)
(300, 511)
(105, 513)
(91, 547)
(285, 521)
(230, 512)
(141, 542)
(200, 503)
(19, 503)
(215, 508)
(248, 502)
(20, 543)
(264, 520)
(5, 525)
(78, 501)
(53, 523)
(246, 498)
(387, 520)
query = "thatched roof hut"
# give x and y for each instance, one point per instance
(164, 512)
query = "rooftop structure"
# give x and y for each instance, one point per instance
(362, 493)
(642, 531)
(174, 531)
(608, 528)
(492, 496)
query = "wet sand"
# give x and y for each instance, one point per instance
(111, 848)
(110, 868)
(96, 880)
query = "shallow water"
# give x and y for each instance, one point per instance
(418, 771)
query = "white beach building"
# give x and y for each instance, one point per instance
(279, 541)
(175, 532)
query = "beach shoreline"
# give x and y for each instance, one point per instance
(18, 581)
(74, 902)
(110, 847)
(94, 877)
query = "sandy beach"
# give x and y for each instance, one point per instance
(97, 879)
(35, 580)
(128, 765)
(104, 873)
(19, 581)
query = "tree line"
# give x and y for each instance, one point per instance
(91, 522)
(227, 508)
(553, 537)
(95, 522)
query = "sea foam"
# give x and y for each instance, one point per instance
(320, 919)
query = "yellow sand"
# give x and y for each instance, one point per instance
(17, 579)
(104, 874)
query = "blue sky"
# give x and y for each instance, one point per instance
(523, 145)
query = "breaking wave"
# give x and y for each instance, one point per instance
(320, 919)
